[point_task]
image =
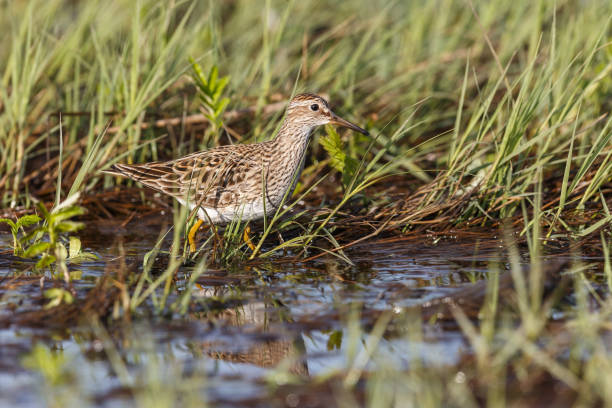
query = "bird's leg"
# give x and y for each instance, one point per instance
(247, 238)
(192, 233)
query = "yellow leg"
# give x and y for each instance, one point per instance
(247, 238)
(192, 233)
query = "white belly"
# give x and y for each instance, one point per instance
(225, 215)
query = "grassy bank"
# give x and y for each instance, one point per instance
(474, 103)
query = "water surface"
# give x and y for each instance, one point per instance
(248, 330)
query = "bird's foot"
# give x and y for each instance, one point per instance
(247, 238)
(192, 234)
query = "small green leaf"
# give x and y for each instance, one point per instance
(220, 87)
(68, 226)
(60, 251)
(221, 107)
(11, 224)
(57, 296)
(45, 261)
(36, 249)
(212, 77)
(335, 340)
(83, 257)
(49, 364)
(66, 213)
(75, 247)
(197, 69)
(28, 220)
(76, 275)
(36, 234)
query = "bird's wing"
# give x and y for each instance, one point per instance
(213, 178)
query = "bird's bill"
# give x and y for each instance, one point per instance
(337, 120)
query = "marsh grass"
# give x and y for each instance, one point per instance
(534, 100)
(509, 338)
(483, 114)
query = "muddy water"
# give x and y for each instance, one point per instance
(247, 330)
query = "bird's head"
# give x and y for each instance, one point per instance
(312, 110)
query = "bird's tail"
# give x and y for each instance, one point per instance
(114, 170)
(136, 172)
(153, 175)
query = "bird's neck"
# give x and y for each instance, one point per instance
(287, 157)
(293, 136)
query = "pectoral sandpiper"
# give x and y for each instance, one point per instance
(230, 182)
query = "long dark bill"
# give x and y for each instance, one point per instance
(337, 120)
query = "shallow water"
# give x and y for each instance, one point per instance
(248, 330)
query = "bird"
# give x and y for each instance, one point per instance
(240, 181)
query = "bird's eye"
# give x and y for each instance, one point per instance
(314, 107)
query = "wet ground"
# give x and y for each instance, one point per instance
(247, 331)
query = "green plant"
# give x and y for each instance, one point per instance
(56, 222)
(17, 228)
(338, 158)
(45, 240)
(210, 92)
